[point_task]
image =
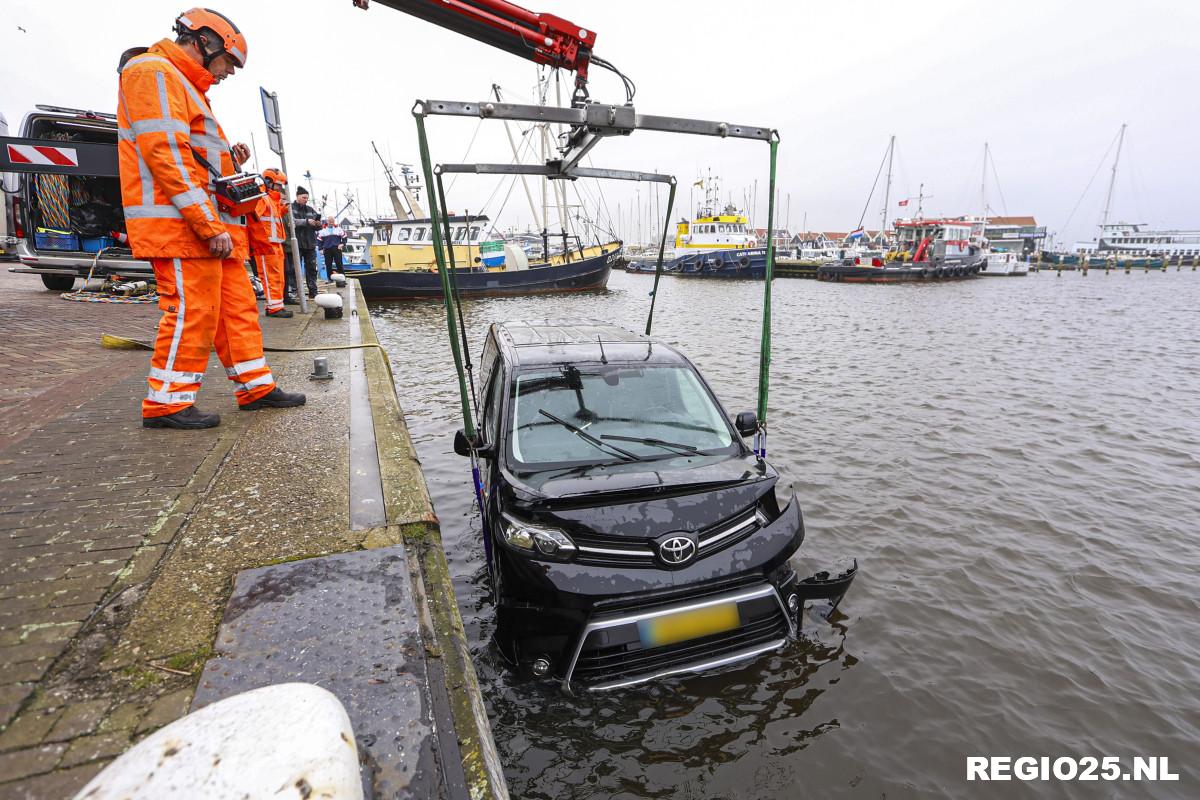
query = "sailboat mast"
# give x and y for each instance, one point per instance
(887, 190)
(983, 190)
(1112, 182)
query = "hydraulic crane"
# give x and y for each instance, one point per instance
(541, 38)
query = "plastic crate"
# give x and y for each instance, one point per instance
(95, 244)
(51, 240)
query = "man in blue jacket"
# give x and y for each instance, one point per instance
(332, 240)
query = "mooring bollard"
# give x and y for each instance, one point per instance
(320, 370)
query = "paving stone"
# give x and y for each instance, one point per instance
(123, 718)
(25, 652)
(29, 729)
(31, 761)
(57, 785)
(78, 719)
(166, 709)
(91, 748)
(28, 670)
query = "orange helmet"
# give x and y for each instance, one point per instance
(275, 176)
(232, 42)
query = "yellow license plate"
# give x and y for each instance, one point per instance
(685, 625)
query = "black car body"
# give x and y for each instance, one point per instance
(633, 533)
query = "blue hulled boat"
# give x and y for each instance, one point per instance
(749, 264)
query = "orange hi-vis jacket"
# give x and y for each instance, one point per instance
(265, 227)
(162, 113)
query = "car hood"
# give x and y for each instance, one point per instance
(663, 496)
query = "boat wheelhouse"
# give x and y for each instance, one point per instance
(713, 226)
(408, 244)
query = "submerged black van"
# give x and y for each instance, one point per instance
(634, 534)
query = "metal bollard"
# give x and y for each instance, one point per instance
(320, 370)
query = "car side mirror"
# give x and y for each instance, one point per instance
(462, 446)
(746, 423)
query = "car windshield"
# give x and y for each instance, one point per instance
(567, 415)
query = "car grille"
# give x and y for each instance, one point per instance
(625, 552)
(603, 663)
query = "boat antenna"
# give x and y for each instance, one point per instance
(603, 358)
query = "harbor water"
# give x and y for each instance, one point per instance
(1014, 462)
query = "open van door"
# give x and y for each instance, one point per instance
(68, 199)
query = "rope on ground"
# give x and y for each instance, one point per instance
(111, 342)
(85, 296)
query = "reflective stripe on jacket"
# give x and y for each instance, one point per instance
(265, 227)
(162, 113)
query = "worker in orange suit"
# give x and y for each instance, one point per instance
(166, 130)
(267, 235)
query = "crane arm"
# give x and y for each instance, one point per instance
(541, 38)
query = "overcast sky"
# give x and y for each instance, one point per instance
(1046, 82)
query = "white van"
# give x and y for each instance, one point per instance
(61, 228)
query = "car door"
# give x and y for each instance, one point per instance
(493, 403)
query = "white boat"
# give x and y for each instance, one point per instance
(1135, 239)
(1002, 263)
(1124, 240)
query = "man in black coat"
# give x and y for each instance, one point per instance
(307, 222)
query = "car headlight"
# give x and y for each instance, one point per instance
(536, 540)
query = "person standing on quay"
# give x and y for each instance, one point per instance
(333, 241)
(198, 252)
(306, 221)
(267, 235)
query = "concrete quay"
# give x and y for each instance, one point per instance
(144, 573)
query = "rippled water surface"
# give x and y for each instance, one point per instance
(1015, 463)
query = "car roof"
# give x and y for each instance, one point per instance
(558, 341)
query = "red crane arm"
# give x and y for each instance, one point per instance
(541, 38)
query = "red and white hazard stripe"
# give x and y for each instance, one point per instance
(43, 154)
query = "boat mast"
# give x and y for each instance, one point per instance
(395, 190)
(516, 158)
(887, 191)
(1112, 182)
(983, 192)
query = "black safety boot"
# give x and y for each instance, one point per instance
(282, 313)
(276, 398)
(190, 418)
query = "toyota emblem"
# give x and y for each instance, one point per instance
(676, 550)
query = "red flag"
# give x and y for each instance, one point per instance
(904, 202)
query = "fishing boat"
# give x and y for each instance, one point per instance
(403, 259)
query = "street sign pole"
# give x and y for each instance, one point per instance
(270, 104)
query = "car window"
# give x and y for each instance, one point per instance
(490, 360)
(667, 403)
(491, 408)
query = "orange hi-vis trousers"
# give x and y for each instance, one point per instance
(270, 272)
(206, 303)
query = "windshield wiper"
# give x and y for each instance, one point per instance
(587, 437)
(687, 448)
